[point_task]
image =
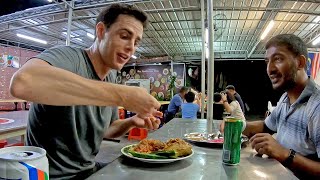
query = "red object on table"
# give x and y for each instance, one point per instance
(122, 114)
(2, 121)
(3, 143)
(138, 133)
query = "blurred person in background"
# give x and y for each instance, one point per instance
(232, 106)
(175, 103)
(218, 107)
(232, 90)
(191, 107)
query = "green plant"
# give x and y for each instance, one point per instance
(171, 85)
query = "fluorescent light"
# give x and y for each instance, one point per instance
(317, 19)
(50, 0)
(32, 38)
(267, 30)
(134, 57)
(90, 35)
(316, 41)
(78, 39)
(65, 33)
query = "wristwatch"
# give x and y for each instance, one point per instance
(289, 160)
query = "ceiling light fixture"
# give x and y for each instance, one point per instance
(316, 41)
(32, 38)
(90, 35)
(65, 33)
(267, 30)
(134, 57)
(317, 19)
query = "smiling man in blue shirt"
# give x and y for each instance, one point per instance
(296, 119)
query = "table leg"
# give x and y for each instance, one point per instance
(25, 105)
(16, 104)
(22, 138)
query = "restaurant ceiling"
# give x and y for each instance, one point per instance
(175, 30)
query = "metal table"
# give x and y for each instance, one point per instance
(16, 128)
(15, 101)
(204, 164)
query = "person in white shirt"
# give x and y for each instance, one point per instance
(232, 106)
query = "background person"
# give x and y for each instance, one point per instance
(232, 90)
(175, 103)
(190, 109)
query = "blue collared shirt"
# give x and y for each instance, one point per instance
(298, 124)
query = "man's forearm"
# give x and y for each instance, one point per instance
(305, 167)
(118, 128)
(39, 82)
(253, 128)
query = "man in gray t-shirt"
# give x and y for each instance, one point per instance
(74, 96)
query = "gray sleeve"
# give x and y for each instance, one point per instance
(314, 128)
(271, 121)
(63, 57)
(115, 114)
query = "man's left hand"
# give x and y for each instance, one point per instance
(264, 143)
(147, 122)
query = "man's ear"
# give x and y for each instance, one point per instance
(100, 30)
(301, 62)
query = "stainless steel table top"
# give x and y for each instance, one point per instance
(205, 164)
(20, 120)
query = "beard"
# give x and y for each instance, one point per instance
(289, 80)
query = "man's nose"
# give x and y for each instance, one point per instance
(130, 45)
(270, 67)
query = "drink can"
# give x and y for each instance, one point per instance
(232, 141)
(23, 163)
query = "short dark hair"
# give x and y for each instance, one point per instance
(230, 97)
(109, 15)
(292, 42)
(184, 89)
(189, 97)
(231, 87)
(217, 97)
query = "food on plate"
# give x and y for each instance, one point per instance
(156, 149)
(181, 147)
(149, 145)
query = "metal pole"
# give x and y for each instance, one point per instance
(69, 23)
(203, 59)
(171, 76)
(210, 67)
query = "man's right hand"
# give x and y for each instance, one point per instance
(138, 100)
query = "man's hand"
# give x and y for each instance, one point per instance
(264, 143)
(147, 122)
(138, 100)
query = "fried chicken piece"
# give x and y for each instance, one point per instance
(181, 147)
(149, 145)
